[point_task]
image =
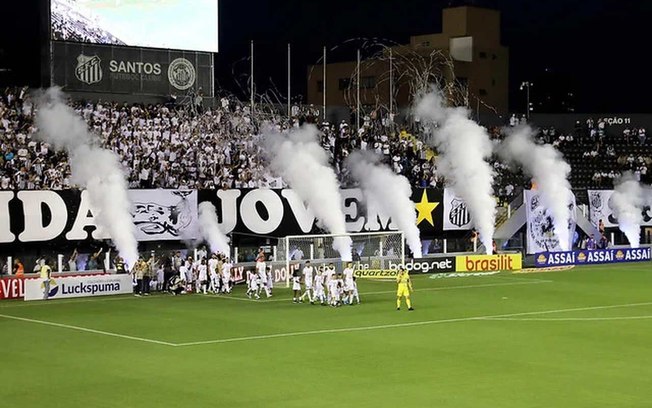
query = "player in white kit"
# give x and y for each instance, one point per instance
(270, 280)
(296, 288)
(261, 270)
(329, 275)
(318, 288)
(183, 272)
(195, 275)
(202, 276)
(355, 295)
(226, 275)
(348, 283)
(190, 275)
(334, 291)
(214, 274)
(307, 281)
(252, 279)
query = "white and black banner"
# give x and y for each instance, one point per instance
(600, 209)
(541, 236)
(164, 214)
(456, 214)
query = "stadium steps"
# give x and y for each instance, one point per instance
(585, 225)
(501, 216)
(511, 225)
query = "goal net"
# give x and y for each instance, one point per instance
(372, 250)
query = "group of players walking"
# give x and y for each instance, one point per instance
(324, 285)
(319, 285)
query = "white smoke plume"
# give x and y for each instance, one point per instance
(303, 163)
(549, 170)
(210, 230)
(627, 202)
(93, 168)
(464, 147)
(389, 191)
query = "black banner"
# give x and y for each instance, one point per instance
(130, 70)
(58, 217)
(279, 213)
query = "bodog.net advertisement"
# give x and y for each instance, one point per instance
(488, 263)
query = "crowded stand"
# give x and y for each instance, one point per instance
(71, 22)
(168, 146)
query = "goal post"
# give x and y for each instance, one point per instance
(370, 250)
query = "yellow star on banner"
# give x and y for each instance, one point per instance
(425, 209)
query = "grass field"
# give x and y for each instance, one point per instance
(577, 338)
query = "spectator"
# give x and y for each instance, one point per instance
(72, 261)
(19, 269)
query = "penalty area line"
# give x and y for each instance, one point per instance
(87, 330)
(398, 325)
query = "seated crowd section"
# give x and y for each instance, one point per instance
(166, 146)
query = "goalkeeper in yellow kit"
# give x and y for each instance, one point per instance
(404, 289)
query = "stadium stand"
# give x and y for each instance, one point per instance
(163, 146)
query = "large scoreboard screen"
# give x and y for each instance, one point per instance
(173, 24)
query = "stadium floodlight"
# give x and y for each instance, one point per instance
(371, 250)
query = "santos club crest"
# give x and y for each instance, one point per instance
(89, 69)
(181, 74)
(459, 214)
(595, 199)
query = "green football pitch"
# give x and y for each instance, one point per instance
(575, 338)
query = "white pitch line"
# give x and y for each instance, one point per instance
(567, 319)
(87, 330)
(410, 324)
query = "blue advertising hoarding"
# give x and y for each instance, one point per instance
(591, 257)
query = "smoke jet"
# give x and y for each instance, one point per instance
(464, 147)
(303, 163)
(627, 202)
(209, 229)
(549, 170)
(93, 168)
(388, 191)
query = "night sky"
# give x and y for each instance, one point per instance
(596, 48)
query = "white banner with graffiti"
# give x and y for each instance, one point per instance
(456, 214)
(541, 236)
(164, 214)
(600, 209)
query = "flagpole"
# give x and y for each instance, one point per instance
(357, 85)
(289, 81)
(251, 85)
(324, 86)
(391, 83)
